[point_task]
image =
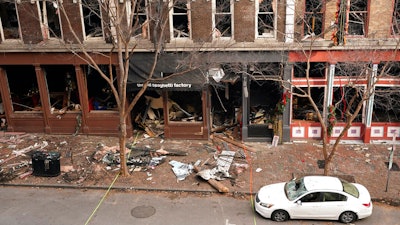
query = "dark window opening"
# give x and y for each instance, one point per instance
(316, 70)
(265, 24)
(92, 18)
(99, 91)
(50, 18)
(261, 71)
(9, 21)
(396, 18)
(263, 110)
(313, 18)
(352, 69)
(63, 89)
(386, 104)
(223, 18)
(140, 22)
(24, 88)
(391, 69)
(357, 17)
(185, 107)
(180, 18)
(302, 108)
(346, 99)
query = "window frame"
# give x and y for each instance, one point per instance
(216, 34)
(321, 13)
(275, 22)
(173, 14)
(365, 23)
(2, 35)
(85, 35)
(44, 21)
(396, 18)
(136, 34)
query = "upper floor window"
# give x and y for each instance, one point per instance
(222, 18)
(396, 18)
(357, 17)
(92, 19)
(180, 19)
(49, 18)
(266, 11)
(140, 24)
(313, 18)
(9, 27)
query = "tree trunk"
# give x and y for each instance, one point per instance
(122, 148)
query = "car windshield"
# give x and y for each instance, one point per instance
(295, 188)
(349, 188)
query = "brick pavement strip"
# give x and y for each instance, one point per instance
(366, 163)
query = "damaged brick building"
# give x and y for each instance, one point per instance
(247, 48)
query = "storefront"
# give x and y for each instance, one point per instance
(56, 93)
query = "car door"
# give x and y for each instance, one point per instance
(334, 204)
(308, 206)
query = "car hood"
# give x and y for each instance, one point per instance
(272, 193)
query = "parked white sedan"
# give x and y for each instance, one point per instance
(314, 197)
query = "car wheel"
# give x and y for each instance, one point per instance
(280, 216)
(347, 217)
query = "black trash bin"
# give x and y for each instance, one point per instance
(46, 164)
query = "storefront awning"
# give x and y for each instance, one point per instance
(171, 73)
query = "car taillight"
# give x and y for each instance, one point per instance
(367, 204)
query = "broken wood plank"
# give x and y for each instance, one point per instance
(215, 184)
(236, 143)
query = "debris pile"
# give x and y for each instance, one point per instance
(224, 159)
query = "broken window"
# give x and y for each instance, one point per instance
(9, 26)
(62, 87)
(23, 88)
(316, 70)
(49, 18)
(357, 17)
(263, 71)
(185, 107)
(99, 91)
(386, 104)
(302, 108)
(396, 18)
(313, 18)
(92, 18)
(222, 18)
(266, 10)
(180, 17)
(356, 69)
(346, 99)
(140, 24)
(392, 69)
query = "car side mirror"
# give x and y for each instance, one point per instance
(298, 202)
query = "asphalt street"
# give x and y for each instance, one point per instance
(34, 206)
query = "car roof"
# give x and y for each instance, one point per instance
(322, 182)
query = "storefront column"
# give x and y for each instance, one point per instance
(287, 75)
(370, 105)
(6, 97)
(83, 97)
(245, 97)
(329, 90)
(44, 98)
